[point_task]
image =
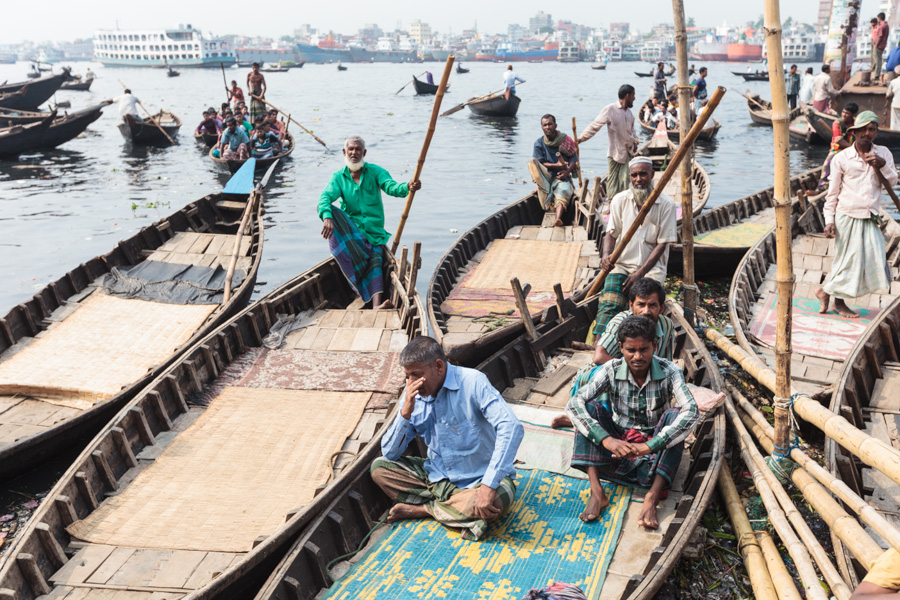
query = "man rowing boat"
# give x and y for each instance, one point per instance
(256, 83)
(355, 231)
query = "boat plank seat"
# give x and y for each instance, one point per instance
(351, 331)
(203, 249)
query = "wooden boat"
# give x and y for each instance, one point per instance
(761, 110)
(598, 67)
(867, 395)
(34, 93)
(641, 560)
(65, 408)
(820, 344)
(425, 88)
(494, 105)
(21, 138)
(460, 70)
(471, 316)
(643, 74)
(707, 134)
(172, 73)
(77, 86)
(341, 68)
(822, 124)
(262, 164)
(210, 139)
(33, 74)
(63, 128)
(171, 418)
(757, 76)
(145, 132)
(275, 69)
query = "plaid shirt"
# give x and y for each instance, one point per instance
(665, 336)
(637, 407)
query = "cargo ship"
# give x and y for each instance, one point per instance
(514, 52)
(710, 51)
(743, 52)
(324, 52)
(183, 47)
(359, 54)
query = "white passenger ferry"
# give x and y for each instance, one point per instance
(182, 47)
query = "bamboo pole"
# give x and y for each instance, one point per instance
(783, 514)
(683, 150)
(251, 200)
(691, 293)
(266, 102)
(435, 110)
(781, 578)
(872, 451)
(763, 587)
(152, 120)
(845, 527)
(577, 153)
(785, 267)
(868, 514)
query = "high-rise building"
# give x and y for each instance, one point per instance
(891, 10)
(539, 21)
(824, 14)
(516, 32)
(419, 31)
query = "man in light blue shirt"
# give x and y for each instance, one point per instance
(472, 437)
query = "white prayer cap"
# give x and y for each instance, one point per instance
(640, 160)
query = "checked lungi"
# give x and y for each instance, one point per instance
(637, 472)
(859, 265)
(617, 179)
(612, 301)
(406, 481)
(359, 260)
(257, 107)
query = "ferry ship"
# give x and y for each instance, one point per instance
(182, 47)
(514, 52)
(387, 51)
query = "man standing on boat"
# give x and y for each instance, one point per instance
(635, 439)
(551, 166)
(852, 209)
(235, 94)
(256, 83)
(792, 85)
(880, 31)
(472, 437)
(659, 83)
(127, 104)
(623, 141)
(509, 81)
(823, 90)
(355, 231)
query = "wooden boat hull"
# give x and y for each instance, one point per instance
(210, 139)
(763, 116)
(598, 67)
(461, 70)
(643, 74)
(822, 124)
(707, 134)
(34, 93)
(155, 412)
(79, 86)
(496, 106)
(423, 88)
(146, 133)
(752, 76)
(32, 317)
(262, 164)
(355, 512)
(22, 138)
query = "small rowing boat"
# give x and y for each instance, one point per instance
(144, 132)
(799, 128)
(262, 164)
(822, 124)
(17, 139)
(461, 70)
(77, 86)
(210, 139)
(757, 76)
(707, 134)
(494, 105)
(34, 93)
(425, 88)
(598, 67)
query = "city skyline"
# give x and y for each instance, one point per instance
(354, 14)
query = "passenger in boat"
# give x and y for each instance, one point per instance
(429, 78)
(234, 143)
(792, 85)
(89, 75)
(882, 582)
(552, 163)
(264, 143)
(355, 231)
(472, 437)
(659, 82)
(509, 81)
(635, 439)
(623, 141)
(842, 136)
(807, 85)
(893, 94)
(215, 115)
(824, 90)
(275, 126)
(852, 209)
(647, 254)
(208, 125)
(127, 105)
(235, 94)
(256, 83)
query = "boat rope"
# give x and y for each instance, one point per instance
(362, 545)
(780, 462)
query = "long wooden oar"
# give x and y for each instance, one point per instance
(225, 81)
(421, 163)
(152, 120)
(459, 107)
(409, 82)
(289, 117)
(888, 187)
(577, 153)
(683, 150)
(756, 102)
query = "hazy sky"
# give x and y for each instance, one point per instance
(67, 20)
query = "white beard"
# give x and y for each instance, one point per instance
(355, 166)
(640, 195)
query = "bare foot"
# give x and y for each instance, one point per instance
(842, 309)
(558, 223)
(824, 298)
(648, 517)
(594, 506)
(384, 305)
(400, 512)
(560, 421)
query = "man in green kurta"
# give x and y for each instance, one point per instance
(355, 231)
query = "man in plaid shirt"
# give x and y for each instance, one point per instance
(635, 440)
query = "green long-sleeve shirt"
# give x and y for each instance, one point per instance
(362, 202)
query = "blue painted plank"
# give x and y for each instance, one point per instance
(242, 181)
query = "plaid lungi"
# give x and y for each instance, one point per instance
(637, 472)
(617, 179)
(406, 481)
(613, 300)
(360, 261)
(257, 107)
(859, 266)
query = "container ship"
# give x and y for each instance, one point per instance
(325, 52)
(395, 56)
(743, 52)
(516, 53)
(182, 47)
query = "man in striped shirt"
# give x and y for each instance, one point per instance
(635, 439)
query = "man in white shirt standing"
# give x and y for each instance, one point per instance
(127, 105)
(509, 80)
(852, 209)
(623, 141)
(823, 90)
(893, 93)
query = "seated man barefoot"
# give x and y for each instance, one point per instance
(635, 440)
(551, 166)
(233, 145)
(472, 437)
(882, 582)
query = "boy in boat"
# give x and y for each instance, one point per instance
(635, 439)
(234, 143)
(852, 209)
(472, 437)
(882, 582)
(235, 94)
(841, 137)
(265, 144)
(256, 83)
(551, 166)
(619, 121)
(355, 231)
(208, 125)
(275, 126)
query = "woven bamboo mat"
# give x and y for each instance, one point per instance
(105, 344)
(233, 475)
(542, 264)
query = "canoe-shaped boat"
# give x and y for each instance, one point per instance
(399, 561)
(341, 68)
(266, 434)
(21, 138)
(425, 88)
(757, 76)
(81, 348)
(62, 128)
(868, 396)
(144, 132)
(210, 139)
(822, 124)
(461, 70)
(494, 105)
(34, 93)
(172, 73)
(761, 110)
(643, 74)
(821, 343)
(471, 305)
(706, 134)
(262, 164)
(598, 67)
(77, 86)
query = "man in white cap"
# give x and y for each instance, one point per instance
(647, 253)
(893, 91)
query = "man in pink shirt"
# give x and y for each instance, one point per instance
(623, 141)
(852, 215)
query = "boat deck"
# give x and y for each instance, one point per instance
(743, 233)
(883, 423)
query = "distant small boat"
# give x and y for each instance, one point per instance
(460, 70)
(78, 86)
(758, 76)
(341, 68)
(598, 67)
(424, 88)
(534, 61)
(275, 69)
(145, 132)
(172, 73)
(643, 74)
(495, 105)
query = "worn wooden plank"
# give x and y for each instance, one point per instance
(82, 565)
(367, 318)
(366, 340)
(305, 339)
(113, 563)
(398, 341)
(141, 568)
(551, 384)
(342, 340)
(351, 318)
(212, 564)
(323, 338)
(332, 318)
(179, 568)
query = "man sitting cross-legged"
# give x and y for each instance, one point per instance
(472, 437)
(635, 439)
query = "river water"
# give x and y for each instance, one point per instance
(62, 207)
